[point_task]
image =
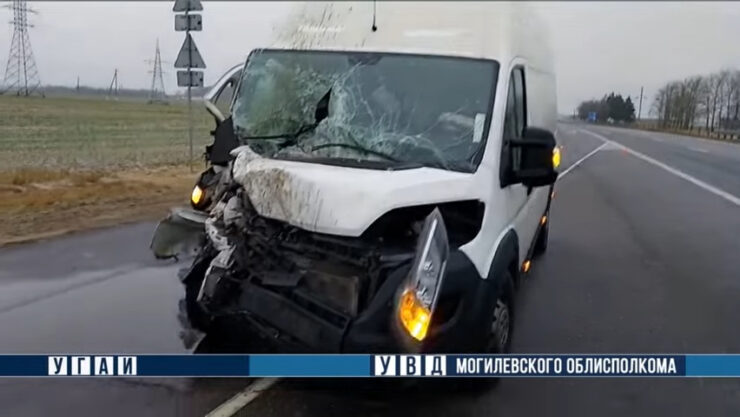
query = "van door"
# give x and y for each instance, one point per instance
(523, 210)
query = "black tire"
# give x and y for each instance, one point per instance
(540, 246)
(502, 317)
(195, 313)
(479, 386)
(196, 316)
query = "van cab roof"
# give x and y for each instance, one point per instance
(498, 30)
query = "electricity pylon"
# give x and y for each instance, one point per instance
(157, 93)
(21, 74)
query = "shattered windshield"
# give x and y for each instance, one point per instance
(416, 110)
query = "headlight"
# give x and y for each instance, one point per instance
(556, 157)
(197, 196)
(419, 296)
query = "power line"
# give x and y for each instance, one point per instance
(21, 73)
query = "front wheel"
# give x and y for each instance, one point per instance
(198, 317)
(195, 315)
(499, 337)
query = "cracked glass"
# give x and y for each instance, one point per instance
(414, 110)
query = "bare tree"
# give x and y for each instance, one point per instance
(705, 95)
(736, 82)
(693, 91)
(718, 81)
(715, 98)
(659, 104)
(677, 102)
(731, 98)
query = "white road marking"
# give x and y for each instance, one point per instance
(240, 400)
(698, 149)
(578, 162)
(708, 187)
(648, 135)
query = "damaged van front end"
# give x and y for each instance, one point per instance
(347, 203)
(398, 286)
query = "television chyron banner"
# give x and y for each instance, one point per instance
(371, 366)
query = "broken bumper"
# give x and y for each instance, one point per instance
(181, 232)
(459, 323)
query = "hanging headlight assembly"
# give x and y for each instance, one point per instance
(418, 296)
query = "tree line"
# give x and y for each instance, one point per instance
(611, 106)
(141, 93)
(711, 102)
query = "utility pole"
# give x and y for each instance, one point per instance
(639, 112)
(21, 73)
(113, 89)
(189, 57)
(78, 85)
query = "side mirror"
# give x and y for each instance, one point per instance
(538, 158)
(224, 141)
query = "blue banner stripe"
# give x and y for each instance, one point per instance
(23, 365)
(713, 365)
(199, 365)
(310, 365)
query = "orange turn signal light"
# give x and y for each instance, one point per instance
(414, 316)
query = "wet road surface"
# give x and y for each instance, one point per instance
(640, 260)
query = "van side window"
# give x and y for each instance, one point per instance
(225, 96)
(515, 121)
(521, 100)
(510, 120)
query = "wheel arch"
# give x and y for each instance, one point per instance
(506, 257)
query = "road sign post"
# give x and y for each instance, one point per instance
(189, 56)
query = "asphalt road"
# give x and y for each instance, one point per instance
(644, 257)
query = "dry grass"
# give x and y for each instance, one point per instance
(90, 200)
(25, 176)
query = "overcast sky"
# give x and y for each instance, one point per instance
(599, 46)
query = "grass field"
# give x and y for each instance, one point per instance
(70, 163)
(63, 133)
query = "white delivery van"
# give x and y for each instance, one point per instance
(389, 180)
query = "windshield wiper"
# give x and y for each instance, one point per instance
(292, 135)
(356, 148)
(439, 163)
(321, 113)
